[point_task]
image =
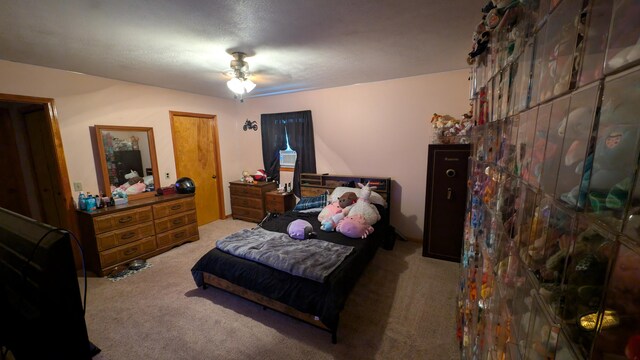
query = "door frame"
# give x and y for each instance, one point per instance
(66, 208)
(216, 145)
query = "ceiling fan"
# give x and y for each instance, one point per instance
(240, 82)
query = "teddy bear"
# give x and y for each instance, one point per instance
(336, 211)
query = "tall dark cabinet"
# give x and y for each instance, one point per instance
(445, 201)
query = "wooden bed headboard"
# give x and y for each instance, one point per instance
(316, 184)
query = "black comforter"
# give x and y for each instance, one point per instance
(324, 300)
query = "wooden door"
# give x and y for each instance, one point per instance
(445, 201)
(197, 156)
(13, 192)
(45, 170)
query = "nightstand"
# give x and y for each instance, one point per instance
(248, 199)
(277, 202)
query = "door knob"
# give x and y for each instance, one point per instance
(450, 172)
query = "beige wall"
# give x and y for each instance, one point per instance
(83, 101)
(378, 129)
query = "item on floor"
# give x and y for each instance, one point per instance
(185, 185)
(137, 264)
(122, 271)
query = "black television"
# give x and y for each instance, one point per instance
(41, 311)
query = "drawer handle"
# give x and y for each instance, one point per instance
(128, 235)
(179, 235)
(131, 251)
(125, 219)
(177, 221)
(176, 207)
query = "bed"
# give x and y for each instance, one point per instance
(316, 302)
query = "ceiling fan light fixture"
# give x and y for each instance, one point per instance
(236, 85)
(240, 83)
(248, 85)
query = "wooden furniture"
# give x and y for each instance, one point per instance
(277, 202)
(248, 199)
(323, 306)
(141, 229)
(445, 201)
(316, 184)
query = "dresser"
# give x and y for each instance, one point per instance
(277, 202)
(248, 199)
(138, 230)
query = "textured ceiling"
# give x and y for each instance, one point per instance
(293, 45)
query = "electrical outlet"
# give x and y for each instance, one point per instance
(167, 175)
(77, 186)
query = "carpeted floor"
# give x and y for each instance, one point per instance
(403, 307)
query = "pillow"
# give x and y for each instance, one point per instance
(375, 198)
(305, 203)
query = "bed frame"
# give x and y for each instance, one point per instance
(310, 185)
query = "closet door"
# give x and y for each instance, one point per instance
(446, 197)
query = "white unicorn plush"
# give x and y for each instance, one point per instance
(364, 207)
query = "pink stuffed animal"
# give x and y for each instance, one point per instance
(354, 227)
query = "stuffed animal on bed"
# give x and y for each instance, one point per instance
(364, 207)
(336, 211)
(354, 227)
(300, 229)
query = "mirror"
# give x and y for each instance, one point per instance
(128, 159)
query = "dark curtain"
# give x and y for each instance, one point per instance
(299, 126)
(273, 140)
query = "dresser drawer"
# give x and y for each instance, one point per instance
(246, 201)
(116, 221)
(176, 236)
(175, 221)
(274, 205)
(247, 213)
(127, 252)
(173, 207)
(245, 190)
(124, 236)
